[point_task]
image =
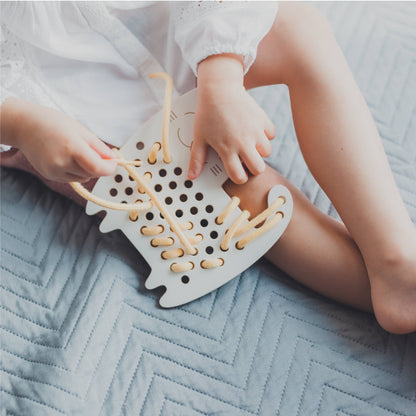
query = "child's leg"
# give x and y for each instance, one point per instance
(315, 249)
(15, 159)
(342, 148)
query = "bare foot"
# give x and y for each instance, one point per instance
(393, 288)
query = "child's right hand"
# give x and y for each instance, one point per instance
(57, 146)
(229, 120)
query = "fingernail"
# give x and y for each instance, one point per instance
(191, 174)
(242, 179)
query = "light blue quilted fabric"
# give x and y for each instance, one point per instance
(81, 336)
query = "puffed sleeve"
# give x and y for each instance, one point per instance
(205, 28)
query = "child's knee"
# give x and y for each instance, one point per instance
(305, 38)
(298, 47)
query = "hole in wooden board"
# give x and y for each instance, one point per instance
(149, 216)
(213, 235)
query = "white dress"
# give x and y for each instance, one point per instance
(91, 60)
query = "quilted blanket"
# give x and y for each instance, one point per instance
(81, 336)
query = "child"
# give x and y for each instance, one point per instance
(368, 263)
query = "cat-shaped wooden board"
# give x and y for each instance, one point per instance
(195, 205)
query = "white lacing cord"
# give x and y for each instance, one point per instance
(236, 229)
(167, 158)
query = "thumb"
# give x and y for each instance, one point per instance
(100, 147)
(199, 152)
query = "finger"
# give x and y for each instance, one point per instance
(66, 177)
(95, 166)
(100, 147)
(270, 129)
(264, 147)
(254, 162)
(76, 178)
(79, 174)
(199, 152)
(81, 180)
(234, 168)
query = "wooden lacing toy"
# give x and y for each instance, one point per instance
(201, 233)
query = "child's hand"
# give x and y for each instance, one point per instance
(57, 146)
(229, 120)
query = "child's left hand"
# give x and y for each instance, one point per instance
(229, 120)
